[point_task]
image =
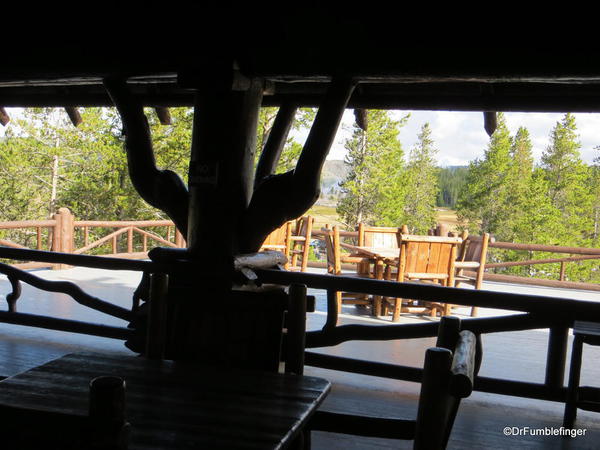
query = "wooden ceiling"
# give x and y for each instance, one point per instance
(297, 55)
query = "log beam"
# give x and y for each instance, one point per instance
(164, 116)
(272, 149)
(284, 197)
(162, 189)
(74, 115)
(4, 117)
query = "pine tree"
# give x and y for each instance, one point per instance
(422, 187)
(482, 202)
(568, 181)
(370, 192)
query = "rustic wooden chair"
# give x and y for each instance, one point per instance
(470, 263)
(300, 244)
(370, 236)
(427, 259)
(256, 329)
(104, 428)
(448, 375)
(335, 259)
(280, 240)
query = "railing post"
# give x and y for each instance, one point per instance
(563, 266)
(62, 235)
(130, 240)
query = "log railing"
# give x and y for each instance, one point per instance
(581, 254)
(64, 234)
(555, 314)
(573, 254)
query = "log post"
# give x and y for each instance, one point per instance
(221, 165)
(4, 117)
(62, 234)
(130, 240)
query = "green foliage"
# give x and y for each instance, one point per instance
(422, 188)
(373, 190)
(451, 181)
(483, 201)
(87, 165)
(557, 203)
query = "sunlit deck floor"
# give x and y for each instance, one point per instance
(481, 419)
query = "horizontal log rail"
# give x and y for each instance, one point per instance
(63, 234)
(15, 275)
(546, 248)
(565, 308)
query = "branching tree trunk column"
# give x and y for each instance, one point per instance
(221, 170)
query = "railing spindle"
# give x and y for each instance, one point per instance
(130, 240)
(39, 237)
(563, 266)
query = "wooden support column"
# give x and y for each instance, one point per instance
(490, 122)
(557, 355)
(272, 149)
(74, 115)
(164, 116)
(4, 117)
(221, 169)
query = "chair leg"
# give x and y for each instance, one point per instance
(397, 310)
(574, 375)
(474, 311)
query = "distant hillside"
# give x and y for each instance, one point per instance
(334, 172)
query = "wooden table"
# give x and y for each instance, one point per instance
(378, 256)
(175, 405)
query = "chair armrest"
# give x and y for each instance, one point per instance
(463, 364)
(354, 259)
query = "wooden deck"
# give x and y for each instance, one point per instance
(480, 421)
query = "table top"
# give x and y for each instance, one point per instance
(374, 252)
(177, 405)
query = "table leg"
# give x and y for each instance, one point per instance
(377, 298)
(574, 374)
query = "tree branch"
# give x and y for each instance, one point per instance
(287, 196)
(162, 189)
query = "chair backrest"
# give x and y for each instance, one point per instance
(301, 238)
(279, 240)
(332, 249)
(448, 376)
(427, 255)
(474, 248)
(370, 236)
(303, 225)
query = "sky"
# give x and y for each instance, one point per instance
(460, 137)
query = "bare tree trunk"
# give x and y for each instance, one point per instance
(54, 183)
